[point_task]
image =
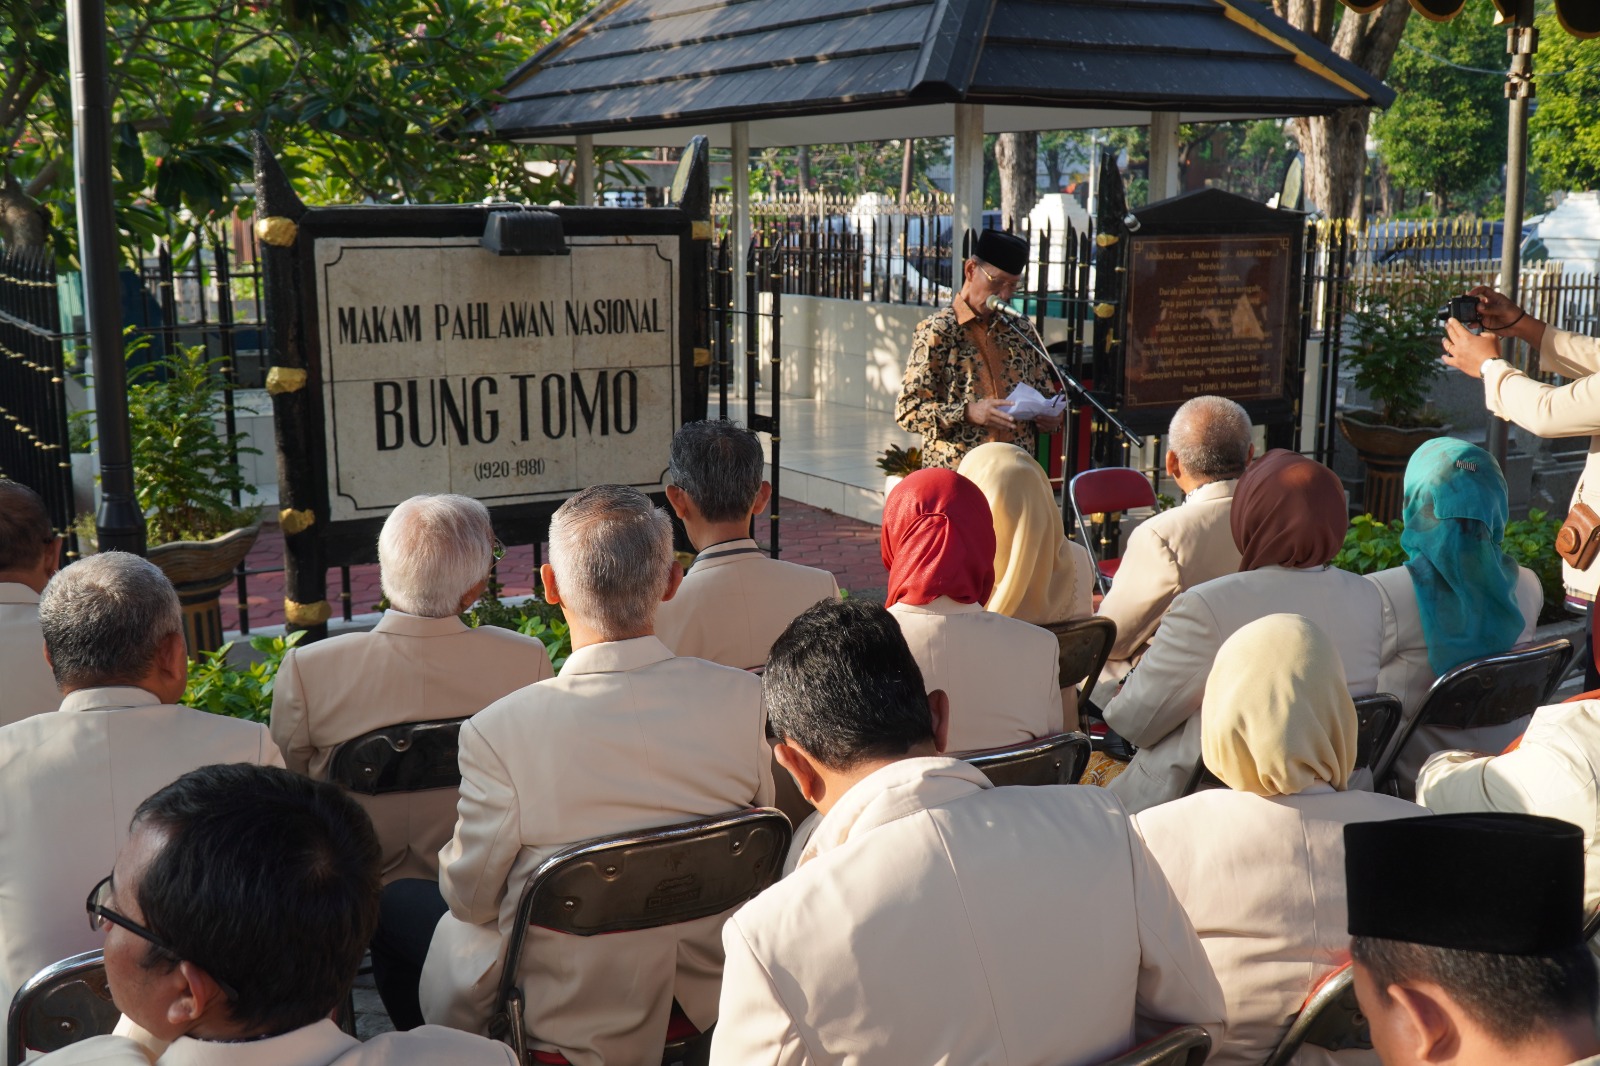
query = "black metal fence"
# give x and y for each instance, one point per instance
(35, 447)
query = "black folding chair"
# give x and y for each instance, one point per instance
(1059, 759)
(1486, 692)
(1187, 1045)
(409, 757)
(1330, 1019)
(63, 1003)
(1085, 647)
(1377, 718)
(644, 880)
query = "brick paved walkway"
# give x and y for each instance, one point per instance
(808, 535)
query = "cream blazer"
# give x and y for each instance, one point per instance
(735, 602)
(30, 687)
(1404, 670)
(1555, 772)
(1167, 554)
(1263, 881)
(320, 1044)
(1158, 707)
(1568, 411)
(69, 784)
(1003, 675)
(408, 669)
(935, 919)
(628, 737)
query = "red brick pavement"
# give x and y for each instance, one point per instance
(807, 535)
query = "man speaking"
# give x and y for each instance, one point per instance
(965, 362)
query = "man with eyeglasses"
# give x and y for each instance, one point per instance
(965, 362)
(70, 779)
(234, 919)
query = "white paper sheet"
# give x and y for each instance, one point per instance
(1029, 403)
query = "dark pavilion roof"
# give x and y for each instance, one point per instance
(644, 72)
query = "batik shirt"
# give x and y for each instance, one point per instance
(955, 360)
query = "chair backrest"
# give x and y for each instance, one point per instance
(1085, 645)
(1187, 1045)
(1377, 717)
(648, 879)
(1109, 489)
(63, 1003)
(1060, 759)
(1490, 691)
(1330, 1019)
(1591, 926)
(410, 757)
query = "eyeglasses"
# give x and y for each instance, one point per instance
(100, 915)
(497, 549)
(1003, 284)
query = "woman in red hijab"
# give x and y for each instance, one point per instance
(1001, 674)
(1289, 519)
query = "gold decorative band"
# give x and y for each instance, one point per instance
(277, 231)
(306, 614)
(1104, 310)
(702, 357)
(1105, 240)
(293, 521)
(282, 379)
(700, 230)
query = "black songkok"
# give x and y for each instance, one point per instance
(1004, 251)
(1509, 884)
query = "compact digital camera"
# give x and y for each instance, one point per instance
(1463, 309)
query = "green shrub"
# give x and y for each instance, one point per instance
(218, 687)
(545, 622)
(1370, 546)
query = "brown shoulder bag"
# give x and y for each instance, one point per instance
(1578, 540)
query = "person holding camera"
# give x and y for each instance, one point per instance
(1571, 410)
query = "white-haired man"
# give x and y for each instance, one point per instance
(1208, 447)
(421, 663)
(71, 779)
(628, 737)
(29, 553)
(735, 601)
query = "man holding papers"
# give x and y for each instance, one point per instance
(971, 378)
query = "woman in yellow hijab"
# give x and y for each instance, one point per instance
(1259, 866)
(1040, 575)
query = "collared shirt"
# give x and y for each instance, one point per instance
(891, 792)
(319, 1044)
(957, 358)
(30, 688)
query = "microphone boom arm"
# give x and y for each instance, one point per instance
(1069, 385)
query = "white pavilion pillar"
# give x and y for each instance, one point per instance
(1163, 155)
(583, 170)
(966, 169)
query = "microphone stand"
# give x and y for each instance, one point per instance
(1070, 386)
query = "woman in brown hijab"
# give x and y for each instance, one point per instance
(1289, 519)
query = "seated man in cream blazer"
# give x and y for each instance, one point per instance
(931, 912)
(70, 779)
(1208, 447)
(29, 555)
(735, 600)
(420, 663)
(1554, 771)
(628, 737)
(244, 970)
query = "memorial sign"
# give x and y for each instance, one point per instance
(1212, 307)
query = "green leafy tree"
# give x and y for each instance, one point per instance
(1564, 130)
(1448, 116)
(354, 94)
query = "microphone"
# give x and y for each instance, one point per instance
(994, 303)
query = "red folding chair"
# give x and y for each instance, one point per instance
(1108, 490)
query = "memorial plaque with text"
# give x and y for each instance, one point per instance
(1209, 314)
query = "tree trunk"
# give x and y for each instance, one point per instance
(24, 226)
(1016, 156)
(1335, 145)
(803, 165)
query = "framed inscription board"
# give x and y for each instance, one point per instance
(509, 354)
(1212, 307)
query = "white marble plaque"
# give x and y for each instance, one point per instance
(513, 379)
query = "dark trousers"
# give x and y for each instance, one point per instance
(1586, 654)
(410, 910)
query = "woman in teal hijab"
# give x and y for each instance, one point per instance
(1459, 596)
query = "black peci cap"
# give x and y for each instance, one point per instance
(1005, 251)
(1509, 884)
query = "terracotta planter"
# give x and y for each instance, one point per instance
(1384, 450)
(199, 570)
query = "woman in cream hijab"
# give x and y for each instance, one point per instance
(1259, 866)
(1040, 575)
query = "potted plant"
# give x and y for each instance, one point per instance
(896, 462)
(186, 473)
(1394, 333)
